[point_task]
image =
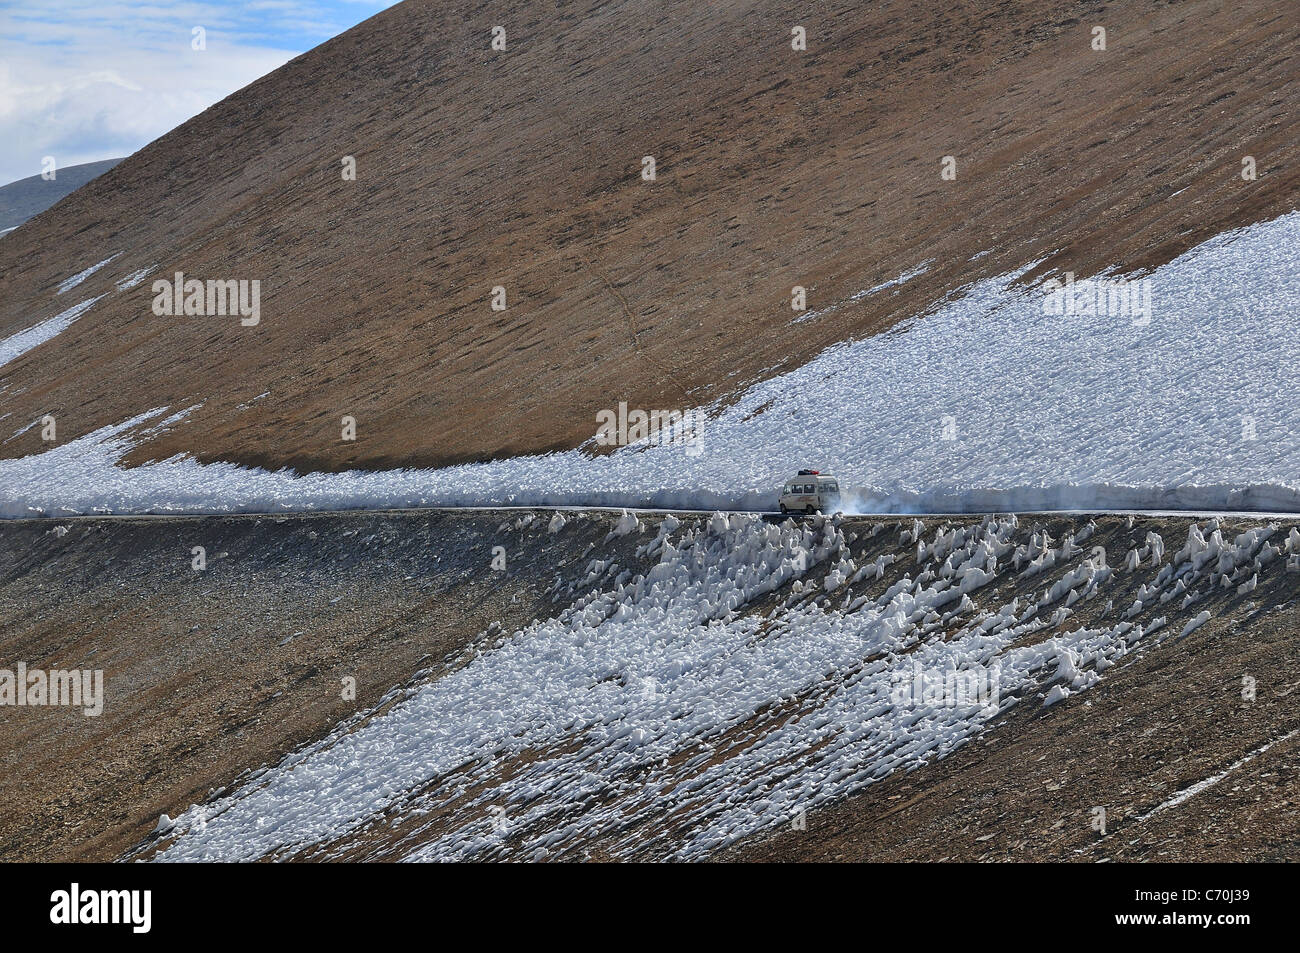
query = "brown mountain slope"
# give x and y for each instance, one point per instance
(521, 168)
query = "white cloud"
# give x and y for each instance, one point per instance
(82, 80)
(113, 106)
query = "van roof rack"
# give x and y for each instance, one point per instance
(809, 472)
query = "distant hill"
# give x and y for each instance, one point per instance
(31, 196)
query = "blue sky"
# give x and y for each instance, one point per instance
(82, 80)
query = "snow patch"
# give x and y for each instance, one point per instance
(133, 279)
(859, 295)
(18, 344)
(69, 283)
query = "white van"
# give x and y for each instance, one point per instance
(810, 491)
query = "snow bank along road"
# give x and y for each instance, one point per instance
(988, 404)
(686, 685)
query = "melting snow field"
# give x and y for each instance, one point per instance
(986, 404)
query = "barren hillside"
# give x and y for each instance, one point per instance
(520, 168)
